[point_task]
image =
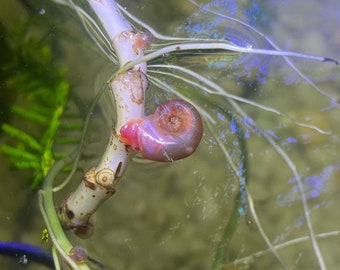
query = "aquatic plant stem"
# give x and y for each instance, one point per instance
(228, 232)
(128, 89)
(46, 203)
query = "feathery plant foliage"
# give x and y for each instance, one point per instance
(41, 93)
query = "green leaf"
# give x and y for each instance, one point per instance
(17, 152)
(29, 114)
(22, 136)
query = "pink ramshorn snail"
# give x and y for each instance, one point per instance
(78, 254)
(172, 132)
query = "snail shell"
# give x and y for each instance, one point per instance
(143, 40)
(78, 254)
(173, 132)
(105, 177)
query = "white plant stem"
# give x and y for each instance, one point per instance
(128, 89)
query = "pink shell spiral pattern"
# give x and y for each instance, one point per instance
(173, 132)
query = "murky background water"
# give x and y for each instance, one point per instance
(172, 216)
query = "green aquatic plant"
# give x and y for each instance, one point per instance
(40, 90)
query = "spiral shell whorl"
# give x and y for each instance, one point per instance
(105, 177)
(173, 132)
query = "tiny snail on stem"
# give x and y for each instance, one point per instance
(143, 40)
(78, 254)
(172, 132)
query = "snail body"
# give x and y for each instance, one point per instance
(172, 132)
